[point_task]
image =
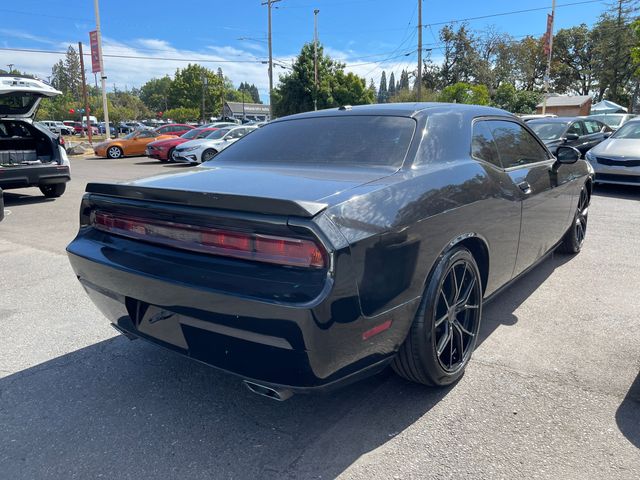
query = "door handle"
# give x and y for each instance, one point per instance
(525, 187)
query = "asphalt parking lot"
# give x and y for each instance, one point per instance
(553, 390)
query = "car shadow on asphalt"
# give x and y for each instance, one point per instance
(628, 414)
(625, 192)
(16, 199)
(499, 310)
(149, 162)
(128, 409)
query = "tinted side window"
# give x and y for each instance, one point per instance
(516, 146)
(483, 146)
(576, 128)
(592, 126)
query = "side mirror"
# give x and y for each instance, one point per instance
(566, 155)
(607, 134)
(571, 137)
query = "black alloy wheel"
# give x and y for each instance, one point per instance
(445, 331)
(574, 238)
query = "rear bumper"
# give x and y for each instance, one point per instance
(33, 176)
(310, 347)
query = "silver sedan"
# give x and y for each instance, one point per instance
(617, 159)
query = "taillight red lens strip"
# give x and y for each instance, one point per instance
(248, 246)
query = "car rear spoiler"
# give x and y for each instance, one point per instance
(242, 203)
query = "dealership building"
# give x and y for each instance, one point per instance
(247, 111)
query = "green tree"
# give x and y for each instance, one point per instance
(383, 93)
(182, 114)
(66, 75)
(404, 81)
(613, 40)
(188, 85)
(296, 90)
(462, 92)
(155, 94)
(391, 89)
(515, 101)
(573, 61)
(349, 89)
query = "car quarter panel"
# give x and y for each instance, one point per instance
(397, 232)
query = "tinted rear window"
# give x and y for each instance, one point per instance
(348, 140)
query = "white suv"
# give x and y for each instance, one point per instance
(30, 155)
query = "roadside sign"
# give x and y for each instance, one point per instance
(95, 59)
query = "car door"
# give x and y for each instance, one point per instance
(546, 198)
(595, 133)
(139, 142)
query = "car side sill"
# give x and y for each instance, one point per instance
(521, 274)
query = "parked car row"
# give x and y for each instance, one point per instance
(613, 154)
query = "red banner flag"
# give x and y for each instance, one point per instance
(95, 58)
(548, 34)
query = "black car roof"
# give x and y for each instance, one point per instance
(402, 110)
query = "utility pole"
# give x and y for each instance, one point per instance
(547, 74)
(205, 82)
(222, 95)
(268, 3)
(419, 79)
(315, 57)
(103, 77)
(84, 94)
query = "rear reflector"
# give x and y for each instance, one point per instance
(376, 330)
(248, 246)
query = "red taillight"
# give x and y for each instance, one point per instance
(61, 140)
(248, 246)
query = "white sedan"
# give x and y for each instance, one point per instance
(201, 150)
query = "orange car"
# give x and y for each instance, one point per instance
(132, 144)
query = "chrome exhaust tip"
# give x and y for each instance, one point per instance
(278, 394)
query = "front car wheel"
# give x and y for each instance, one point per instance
(445, 330)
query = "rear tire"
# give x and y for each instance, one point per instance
(53, 191)
(445, 329)
(114, 152)
(574, 238)
(169, 156)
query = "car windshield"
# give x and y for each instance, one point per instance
(345, 140)
(629, 131)
(195, 133)
(130, 135)
(548, 130)
(217, 134)
(614, 121)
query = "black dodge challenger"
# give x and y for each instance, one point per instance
(326, 245)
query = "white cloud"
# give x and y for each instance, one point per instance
(161, 58)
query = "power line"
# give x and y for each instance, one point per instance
(139, 57)
(512, 12)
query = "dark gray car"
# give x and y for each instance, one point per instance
(581, 133)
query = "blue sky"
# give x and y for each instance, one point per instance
(368, 35)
